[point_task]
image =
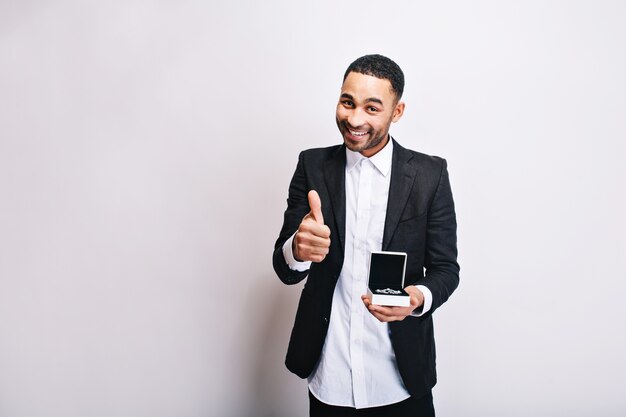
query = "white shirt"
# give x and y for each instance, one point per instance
(357, 367)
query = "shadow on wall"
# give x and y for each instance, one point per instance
(275, 391)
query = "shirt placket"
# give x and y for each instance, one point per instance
(359, 267)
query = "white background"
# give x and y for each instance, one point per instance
(145, 154)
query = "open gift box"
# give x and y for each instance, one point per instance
(386, 279)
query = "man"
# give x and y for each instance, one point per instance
(346, 201)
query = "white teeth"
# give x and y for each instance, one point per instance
(353, 133)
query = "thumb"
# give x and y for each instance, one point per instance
(316, 207)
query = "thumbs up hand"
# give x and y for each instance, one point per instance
(312, 239)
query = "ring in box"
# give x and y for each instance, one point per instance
(386, 279)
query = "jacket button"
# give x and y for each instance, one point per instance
(326, 320)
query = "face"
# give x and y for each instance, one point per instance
(366, 108)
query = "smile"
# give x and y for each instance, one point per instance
(355, 133)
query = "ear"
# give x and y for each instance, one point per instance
(398, 111)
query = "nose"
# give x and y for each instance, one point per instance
(356, 118)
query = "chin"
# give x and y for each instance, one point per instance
(354, 147)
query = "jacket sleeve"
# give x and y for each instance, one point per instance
(440, 260)
(297, 208)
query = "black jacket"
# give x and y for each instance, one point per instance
(420, 221)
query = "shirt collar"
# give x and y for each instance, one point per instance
(381, 160)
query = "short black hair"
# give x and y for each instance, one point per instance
(380, 67)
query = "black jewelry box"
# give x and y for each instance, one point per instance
(386, 279)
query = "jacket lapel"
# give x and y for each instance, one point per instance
(334, 176)
(402, 178)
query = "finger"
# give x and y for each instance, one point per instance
(312, 251)
(390, 313)
(366, 301)
(417, 297)
(308, 239)
(310, 247)
(384, 319)
(317, 258)
(384, 311)
(316, 206)
(310, 225)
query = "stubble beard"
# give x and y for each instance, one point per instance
(372, 142)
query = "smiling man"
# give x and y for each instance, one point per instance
(366, 108)
(345, 202)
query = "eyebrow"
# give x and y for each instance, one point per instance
(371, 99)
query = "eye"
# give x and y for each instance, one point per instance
(372, 109)
(347, 103)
